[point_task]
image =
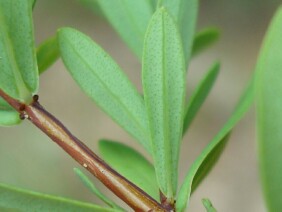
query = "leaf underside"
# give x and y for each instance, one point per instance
(130, 164)
(185, 14)
(19, 73)
(202, 165)
(103, 81)
(92, 188)
(23, 200)
(269, 113)
(130, 19)
(163, 77)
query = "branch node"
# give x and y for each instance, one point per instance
(35, 98)
(22, 108)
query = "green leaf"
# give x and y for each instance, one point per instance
(33, 3)
(130, 19)
(86, 181)
(9, 210)
(103, 80)
(47, 53)
(199, 95)
(204, 39)
(209, 162)
(154, 4)
(19, 74)
(130, 164)
(4, 105)
(208, 205)
(24, 200)
(185, 14)
(93, 6)
(269, 113)
(8, 116)
(164, 91)
(212, 150)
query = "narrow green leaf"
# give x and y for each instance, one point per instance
(164, 91)
(19, 74)
(185, 14)
(214, 148)
(24, 200)
(91, 186)
(9, 210)
(154, 4)
(130, 164)
(159, 3)
(209, 162)
(4, 104)
(130, 19)
(8, 116)
(103, 80)
(33, 3)
(199, 95)
(47, 53)
(93, 6)
(204, 39)
(269, 113)
(208, 205)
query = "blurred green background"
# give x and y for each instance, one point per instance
(30, 160)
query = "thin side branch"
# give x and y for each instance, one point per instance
(124, 189)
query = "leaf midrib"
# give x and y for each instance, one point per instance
(167, 146)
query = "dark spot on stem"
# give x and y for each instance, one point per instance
(35, 98)
(22, 108)
(22, 116)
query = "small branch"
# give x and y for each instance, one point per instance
(125, 190)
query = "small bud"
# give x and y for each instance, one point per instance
(35, 98)
(23, 116)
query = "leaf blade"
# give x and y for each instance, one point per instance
(163, 77)
(186, 188)
(47, 53)
(199, 95)
(91, 186)
(131, 164)
(204, 39)
(129, 19)
(208, 205)
(19, 74)
(33, 3)
(15, 198)
(104, 82)
(93, 6)
(8, 116)
(268, 99)
(185, 14)
(209, 162)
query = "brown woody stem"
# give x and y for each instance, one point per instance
(124, 189)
